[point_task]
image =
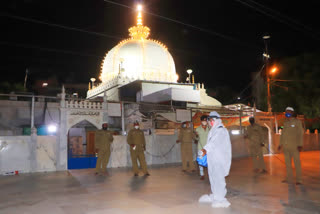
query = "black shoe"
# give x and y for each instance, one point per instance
(136, 174)
(147, 174)
(298, 183)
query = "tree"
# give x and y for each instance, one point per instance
(303, 91)
(6, 87)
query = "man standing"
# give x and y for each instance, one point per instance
(292, 141)
(186, 136)
(218, 150)
(103, 140)
(201, 136)
(137, 143)
(255, 134)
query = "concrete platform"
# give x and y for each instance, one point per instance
(167, 190)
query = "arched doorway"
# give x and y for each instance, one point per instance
(81, 152)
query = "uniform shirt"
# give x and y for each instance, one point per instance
(203, 136)
(255, 134)
(292, 133)
(103, 139)
(186, 135)
(256, 137)
(136, 137)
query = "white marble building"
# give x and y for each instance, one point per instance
(146, 68)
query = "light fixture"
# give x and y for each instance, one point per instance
(274, 69)
(189, 71)
(235, 132)
(266, 55)
(52, 129)
(266, 36)
(92, 80)
(45, 84)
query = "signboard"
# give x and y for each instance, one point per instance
(114, 109)
(183, 115)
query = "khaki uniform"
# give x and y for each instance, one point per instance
(291, 138)
(186, 136)
(103, 140)
(255, 134)
(136, 137)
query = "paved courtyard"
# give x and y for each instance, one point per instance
(167, 190)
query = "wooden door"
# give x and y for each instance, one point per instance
(90, 143)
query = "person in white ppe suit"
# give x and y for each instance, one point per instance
(218, 150)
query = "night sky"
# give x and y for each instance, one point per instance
(220, 40)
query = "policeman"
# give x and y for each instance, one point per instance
(137, 143)
(103, 140)
(292, 141)
(255, 135)
(201, 136)
(186, 136)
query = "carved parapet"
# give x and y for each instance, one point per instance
(83, 104)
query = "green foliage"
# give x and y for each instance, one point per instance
(6, 87)
(304, 92)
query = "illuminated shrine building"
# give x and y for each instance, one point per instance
(141, 69)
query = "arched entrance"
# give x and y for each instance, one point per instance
(81, 152)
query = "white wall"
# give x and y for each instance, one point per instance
(16, 154)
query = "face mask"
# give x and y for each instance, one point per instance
(184, 125)
(212, 123)
(136, 127)
(105, 128)
(288, 115)
(204, 123)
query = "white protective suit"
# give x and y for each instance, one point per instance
(218, 149)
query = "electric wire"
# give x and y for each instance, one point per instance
(220, 35)
(95, 33)
(298, 28)
(48, 49)
(59, 26)
(283, 16)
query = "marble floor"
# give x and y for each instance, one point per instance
(167, 190)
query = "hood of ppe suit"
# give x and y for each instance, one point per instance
(218, 147)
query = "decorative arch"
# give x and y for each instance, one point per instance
(93, 117)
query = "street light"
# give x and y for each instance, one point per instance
(189, 71)
(273, 70)
(93, 80)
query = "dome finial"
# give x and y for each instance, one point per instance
(139, 31)
(139, 17)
